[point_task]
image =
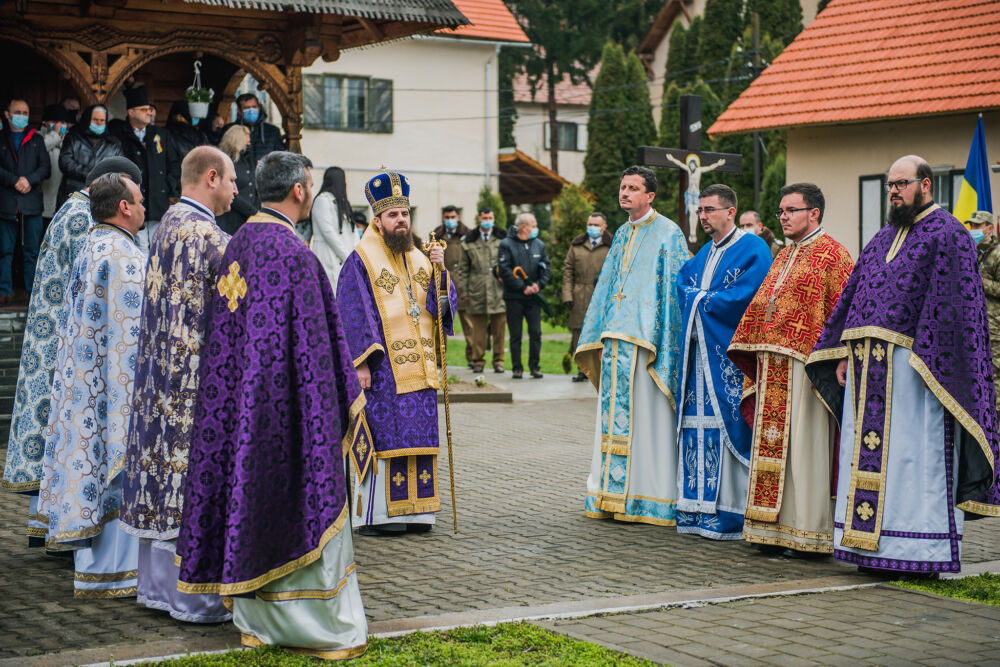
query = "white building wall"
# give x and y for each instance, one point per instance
(529, 134)
(835, 157)
(444, 137)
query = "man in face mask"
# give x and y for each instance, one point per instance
(480, 302)
(264, 137)
(452, 231)
(24, 165)
(583, 264)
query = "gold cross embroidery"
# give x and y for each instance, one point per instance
(233, 286)
(859, 351)
(387, 281)
(424, 476)
(423, 279)
(865, 511)
(878, 352)
(362, 447)
(872, 440)
(618, 298)
(399, 479)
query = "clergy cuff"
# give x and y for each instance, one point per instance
(372, 349)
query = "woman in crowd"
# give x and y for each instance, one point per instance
(86, 144)
(333, 232)
(234, 143)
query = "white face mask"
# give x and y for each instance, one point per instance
(750, 230)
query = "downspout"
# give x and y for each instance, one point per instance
(487, 162)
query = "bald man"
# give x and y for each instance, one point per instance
(904, 364)
(185, 263)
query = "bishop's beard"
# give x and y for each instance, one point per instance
(399, 242)
(903, 215)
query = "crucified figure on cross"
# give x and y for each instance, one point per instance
(694, 171)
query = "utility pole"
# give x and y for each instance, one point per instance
(758, 166)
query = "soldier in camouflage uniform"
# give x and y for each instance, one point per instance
(983, 232)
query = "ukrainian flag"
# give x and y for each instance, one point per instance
(975, 193)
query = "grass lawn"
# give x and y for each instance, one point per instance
(984, 588)
(550, 361)
(508, 645)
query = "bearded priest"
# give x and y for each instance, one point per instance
(906, 356)
(792, 447)
(389, 303)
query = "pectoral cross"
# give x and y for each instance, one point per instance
(770, 310)
(618, 298)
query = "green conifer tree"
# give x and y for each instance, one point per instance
(639, 128)
(676, 57)
(770, 197)
(723, 26)
(569, 219)
(603, 162)
(782, 19)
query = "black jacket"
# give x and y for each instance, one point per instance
(246, 202)
(81, 150)
(152, 156)
(530, 255)
(264, 138)
(32, 162)
(182, 137)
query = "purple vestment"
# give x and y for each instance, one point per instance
(920, 291)
(278, 400)
(398, 422)
(185, 264)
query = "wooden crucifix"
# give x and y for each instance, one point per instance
(691, 162)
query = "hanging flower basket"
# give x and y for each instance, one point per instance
(198, 98)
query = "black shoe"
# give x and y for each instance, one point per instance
(517, 375)
(536, 374)
(770, 549)
(803, 555)
(419, 527)
(385, 529)
(580, 377)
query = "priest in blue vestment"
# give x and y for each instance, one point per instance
(84, 455)
(629, 349)
(64, 238)
(715, 287)
(389, 302)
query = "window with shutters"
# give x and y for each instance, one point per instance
(347, 103)
(571, 136)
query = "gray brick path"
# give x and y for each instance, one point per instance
(523, 540)
(873, 626)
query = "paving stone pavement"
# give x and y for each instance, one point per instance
(523, 541)
(884, 625)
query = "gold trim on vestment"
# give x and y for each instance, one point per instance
(769, 347)
(343, 654)
(54, 542)
(105, 578)
(412, 368)
(828, 354)
(34, 531)
(980, 508)
(411, 451)
(592, 370)
(888, 335)
(412, 504)
(817, 542)
(262, 217)
(761, 464)
(636, 518)
(239, 587)
(367, 353)
(19, 487)
(308, 594)
(93, 593)
(897, 243)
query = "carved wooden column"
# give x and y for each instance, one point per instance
(293, 116)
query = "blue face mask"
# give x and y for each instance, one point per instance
(977, 235)
(18, 122)
(450, 223)
(98, 129)
(533, 234)
(195, 121)
(594, 231)
(251, 115)
(486, 224)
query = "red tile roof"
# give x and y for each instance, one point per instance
(489, 19)
(864, 60)
(567, 92)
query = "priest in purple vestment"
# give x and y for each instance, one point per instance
(265, 497)
(904, 363)
(389, 302)
(185, 264)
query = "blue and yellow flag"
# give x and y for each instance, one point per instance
(975, 193)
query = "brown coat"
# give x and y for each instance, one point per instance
(482, 292)
(580, 271)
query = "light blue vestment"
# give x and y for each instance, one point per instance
(714, 439)
(92, 392)
(633, 315)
